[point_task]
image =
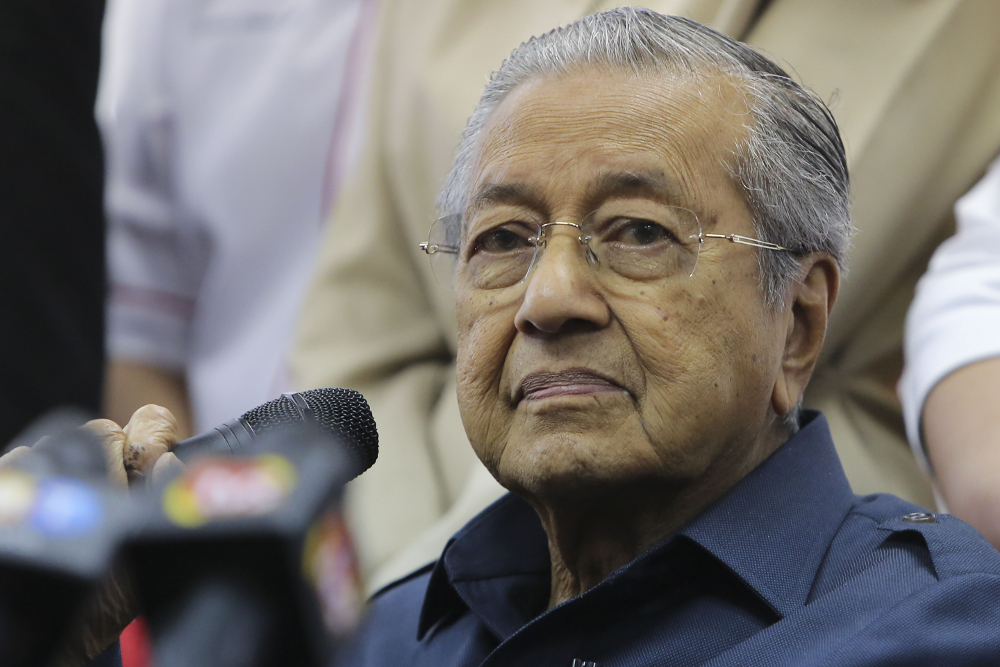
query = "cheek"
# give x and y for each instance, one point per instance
(697, 349)
(749, 344)
(484, 337)
(684, 380)
(671, 333)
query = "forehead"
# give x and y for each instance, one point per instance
(554, 137)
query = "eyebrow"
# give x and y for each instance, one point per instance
(607, 185)
(655, 186)
(505, 193)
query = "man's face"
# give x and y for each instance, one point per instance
(571, 383)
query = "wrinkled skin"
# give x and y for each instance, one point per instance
(620, 409)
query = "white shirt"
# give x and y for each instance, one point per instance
(954, 319)
(217, 117)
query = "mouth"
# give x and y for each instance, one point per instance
(569, 382)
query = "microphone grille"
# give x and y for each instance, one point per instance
(342, 413)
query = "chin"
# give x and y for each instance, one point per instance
(572, 466)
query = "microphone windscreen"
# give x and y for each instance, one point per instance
(341, 413)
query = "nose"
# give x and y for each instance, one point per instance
(562, 293)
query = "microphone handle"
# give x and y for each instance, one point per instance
(233, 437)
(218, 624)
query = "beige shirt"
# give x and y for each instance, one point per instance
(915, 87)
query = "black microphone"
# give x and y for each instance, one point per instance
(340, 413)
(60, 523)
(245, 560)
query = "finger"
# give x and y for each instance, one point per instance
(12, 457)
(166, 465)
(150, 433)
(112, 439)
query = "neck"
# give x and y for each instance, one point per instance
(592, 534)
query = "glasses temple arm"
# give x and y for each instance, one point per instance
(746, 240)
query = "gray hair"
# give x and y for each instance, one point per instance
(790, 164)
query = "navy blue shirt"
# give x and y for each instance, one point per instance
(788, 568)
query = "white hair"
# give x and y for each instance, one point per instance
(790, 163)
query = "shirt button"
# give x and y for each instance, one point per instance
(919, 517)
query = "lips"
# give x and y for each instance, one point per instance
(572, 381)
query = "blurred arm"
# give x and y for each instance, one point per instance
(961, 429)
(368, 323)
(154, 268)
(951, 385)
(374, 319)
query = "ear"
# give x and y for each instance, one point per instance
(806, 312)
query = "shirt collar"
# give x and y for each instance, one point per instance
(774, 526)
(504, 541)
(771, 529)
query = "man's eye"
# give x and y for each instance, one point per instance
(501, 239)
(643, 233)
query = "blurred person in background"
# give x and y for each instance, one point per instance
(52, 220)
(951, 384)
(227, 124)
(219, 119)
(915, 88)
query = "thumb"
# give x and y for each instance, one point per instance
(167, 465)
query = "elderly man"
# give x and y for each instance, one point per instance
(645, 227)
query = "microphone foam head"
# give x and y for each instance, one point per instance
(341, 413)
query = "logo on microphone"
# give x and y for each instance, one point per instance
(228, 488)
(17, 496)
(54, 506)
(330, 564)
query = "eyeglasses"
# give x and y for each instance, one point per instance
(646, 243)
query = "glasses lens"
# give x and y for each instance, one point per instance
(645, 242)
(442, 247)
(500, 253)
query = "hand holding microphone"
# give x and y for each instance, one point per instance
(244, 558)
(60, 522)
(148, 446)
(142, 451)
